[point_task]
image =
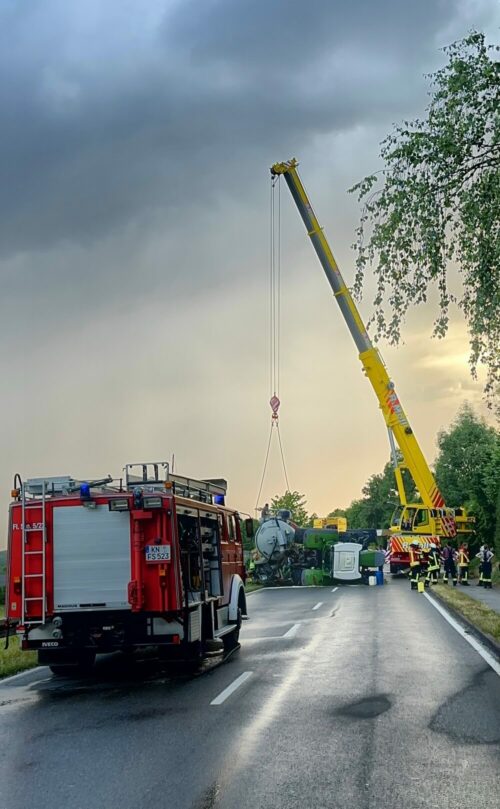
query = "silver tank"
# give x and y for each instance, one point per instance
(274, 536)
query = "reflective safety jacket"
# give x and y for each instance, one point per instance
(463, 558)
(414, 557)
(434, 560)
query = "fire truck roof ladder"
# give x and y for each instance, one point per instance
(28, 530)
(155, 474)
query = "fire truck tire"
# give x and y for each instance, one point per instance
(232, 638)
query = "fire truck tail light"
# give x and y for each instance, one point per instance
(176, 639)
(152, 502)
(17, 585)
(118, 505)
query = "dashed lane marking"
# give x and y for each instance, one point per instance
(231, 688)
(495, 665)
(318, 605)
(335, 589)
(292, 631)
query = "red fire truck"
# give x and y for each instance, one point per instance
(151, 560)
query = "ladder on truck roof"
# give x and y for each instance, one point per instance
(27, 533)
(155, 474)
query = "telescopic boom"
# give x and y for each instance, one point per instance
(373, 365)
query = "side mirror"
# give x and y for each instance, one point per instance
(249, 527)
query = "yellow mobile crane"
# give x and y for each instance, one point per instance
(426, 520)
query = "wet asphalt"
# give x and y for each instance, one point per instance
(373, 701)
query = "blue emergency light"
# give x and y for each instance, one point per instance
(85, 491)
(219, 500)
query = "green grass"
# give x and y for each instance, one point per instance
(479, 614)
(252, 585)
(14, 660)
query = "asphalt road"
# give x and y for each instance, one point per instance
(369, 700)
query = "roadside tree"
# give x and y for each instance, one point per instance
(439, 207)
(468, 471)
(293, 502)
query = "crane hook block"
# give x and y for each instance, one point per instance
(275, 405)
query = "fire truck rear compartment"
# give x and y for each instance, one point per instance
(91, 558)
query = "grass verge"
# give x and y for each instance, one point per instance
(250, 586)
(479, 614)
(13, 659)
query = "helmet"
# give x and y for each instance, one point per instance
(433, 546)
(414, 543)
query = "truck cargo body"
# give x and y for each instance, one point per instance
(116, 572)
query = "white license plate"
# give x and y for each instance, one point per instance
(157, 553)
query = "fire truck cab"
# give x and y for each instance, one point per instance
(153, 559)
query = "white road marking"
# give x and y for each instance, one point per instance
(20, 674)
(286, 587)
(334, 589)
(318, 605)
(231, 688)
(480, 649)
(292, 631)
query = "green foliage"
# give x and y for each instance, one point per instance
(295, 503)
(248, 541)
(337, 512)
(356, 515)
(439, 206)
(380, 497)
(13, 659)
(468, 471)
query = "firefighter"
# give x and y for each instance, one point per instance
(433, 566)
(424, 564)
(450, 568)
(463, 564)
(415, 566)
(265, 512)
(480, 556)
(486, 558)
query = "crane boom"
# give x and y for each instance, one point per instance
(371, 360)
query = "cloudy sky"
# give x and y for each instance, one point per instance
(135, 143)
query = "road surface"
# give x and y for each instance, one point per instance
(364, 697)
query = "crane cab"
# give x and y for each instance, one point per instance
(416, 518)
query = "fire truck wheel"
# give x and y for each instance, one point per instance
(232, 638)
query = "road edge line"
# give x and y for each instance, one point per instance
(493, 662)
(20, 674)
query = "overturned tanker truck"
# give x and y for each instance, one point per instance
(287, 554)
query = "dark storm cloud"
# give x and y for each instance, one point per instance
(108, 114)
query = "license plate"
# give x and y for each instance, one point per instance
(157, 553)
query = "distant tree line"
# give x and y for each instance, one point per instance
(467, 470)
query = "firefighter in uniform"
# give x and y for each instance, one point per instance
(463, 564)
(480, 557)
(424, 564)
(450, 568)
(433, 566)
(486, 558)
(415, 566)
